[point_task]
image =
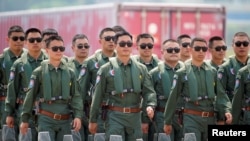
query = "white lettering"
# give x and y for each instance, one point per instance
(216, 132)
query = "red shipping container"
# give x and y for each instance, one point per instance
(162, 20)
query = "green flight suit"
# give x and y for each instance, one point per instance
(81, 74)
(20, 74)
(162, 77)
(198, 87)
(153, 63)
(94, 62)
(7, 58)
(227, 73)
(58, 93)
(122, 86)
(241, 99)
(216, 67)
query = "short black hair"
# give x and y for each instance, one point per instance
(52, 38)
(31, 30)
(143, 35)
(197, 39)
(169, 40)
(241, 34)
(15, 28)
(49, 31)
(212, 39)
(180, 37)
(119, 34)
(79, 36)
(118, 28)
(105, 30)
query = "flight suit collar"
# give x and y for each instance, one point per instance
(61, 66)
(31, 59)
(121, 64)
(167, 67)
(77, 64)
(240, 63)
(104, 57)
(195, 68)
(213, 64)
(12, 55)
(150, 63)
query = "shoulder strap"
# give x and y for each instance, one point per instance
(192, 85)
(46, 80)
(165, 80)
(117, 76)
(210, 80)
(99, 60)
(66, 81)
(27, 68)
(136, 75)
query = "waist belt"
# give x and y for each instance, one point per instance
(124, 109)
(247, 108)
(199, 113)
(52, 98)
(123, 91)
(19, 101)
(62, 101)
(2, 98)
(54, 116)
(187, 99)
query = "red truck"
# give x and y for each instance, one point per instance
(162, 20)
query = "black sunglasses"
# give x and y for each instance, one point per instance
(185, 44)
(15, 38)
(108, 38)
(149, 45)
(219, 48)
(32, 40)
(239, 43)
(199, 48)
(56, 48)
(171, 49)
(123, 44)
(83, 46)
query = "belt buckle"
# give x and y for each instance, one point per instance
(57, 116)
(204, 114)
(126, 110)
